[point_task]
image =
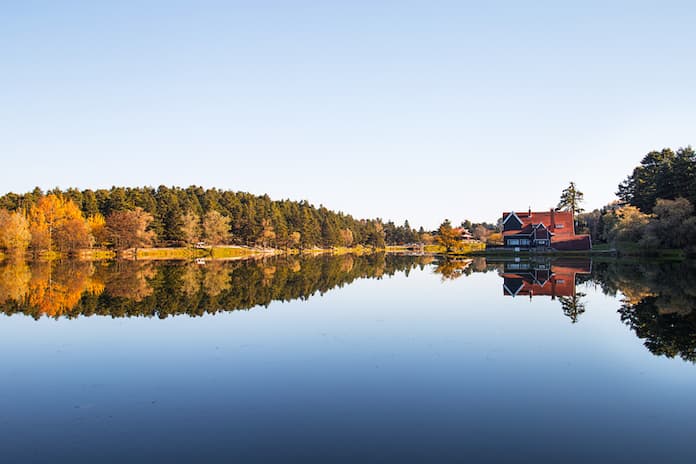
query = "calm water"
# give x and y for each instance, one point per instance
(377, 358)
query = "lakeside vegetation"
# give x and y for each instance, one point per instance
(119, 219)
(654, 215)
(655, 212)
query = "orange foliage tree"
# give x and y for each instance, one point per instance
(128, 229)
(56, 223)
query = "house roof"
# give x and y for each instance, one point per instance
(558, 222)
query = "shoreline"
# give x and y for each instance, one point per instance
(217, 253)
(232, 252)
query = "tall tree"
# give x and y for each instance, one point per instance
(661, 175)
(571, 198)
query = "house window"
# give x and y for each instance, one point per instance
(560, 226)
(513, 241)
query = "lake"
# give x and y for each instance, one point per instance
(374, 358)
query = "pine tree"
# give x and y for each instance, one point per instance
(571, 198)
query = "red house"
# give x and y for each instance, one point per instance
(550, 229)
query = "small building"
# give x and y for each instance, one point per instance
(551, 229)
(463, 233)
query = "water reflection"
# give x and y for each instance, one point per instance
(656, 300)
(658, 303)
(136, 288)
(543, 278)
(555, 279)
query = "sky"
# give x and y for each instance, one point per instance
(393, 109)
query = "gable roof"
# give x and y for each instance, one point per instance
(557, 222)
(507, 216)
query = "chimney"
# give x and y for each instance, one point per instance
(553, 219)
(530, 211)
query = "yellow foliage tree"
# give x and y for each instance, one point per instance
(97, 227)
(14, 232)
(57, 223)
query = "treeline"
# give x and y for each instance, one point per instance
(137, 217)
(656, 206)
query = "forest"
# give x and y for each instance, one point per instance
(655, 209)
(123, 218)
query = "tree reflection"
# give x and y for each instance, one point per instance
(14, 281)
(658, 303)
(573, 306)
(450, 269)
(46, 289)
(162, 289)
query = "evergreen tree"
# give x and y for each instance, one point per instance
(570, 200)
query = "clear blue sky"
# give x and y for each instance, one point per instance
(399, 109)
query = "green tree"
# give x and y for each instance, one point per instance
(571, 198)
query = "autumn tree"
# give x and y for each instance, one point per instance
(447, 236)
(267, 234)
(346, 237)
(14, 232)
(57, 223)
(97, 227)
(72, 234)
(216, 227)
(625, 224)
(674, 225)
(191, 227)
(295, 238)
(129, 229)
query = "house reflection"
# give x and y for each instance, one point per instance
(554, 278)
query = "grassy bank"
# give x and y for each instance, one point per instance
(221, 252)
(632, 249)
(469, 248)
